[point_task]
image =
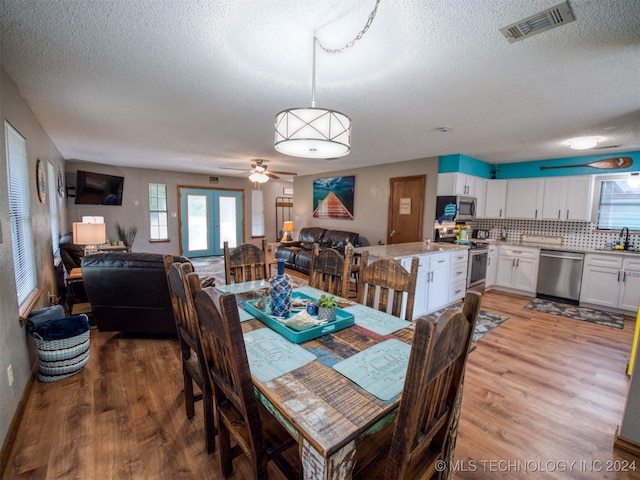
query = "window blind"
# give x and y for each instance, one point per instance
(20, 213)
(619, 205)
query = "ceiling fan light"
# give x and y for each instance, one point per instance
(313, 133)
(258, 177)
(583, 143)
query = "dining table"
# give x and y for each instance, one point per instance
(332, 393)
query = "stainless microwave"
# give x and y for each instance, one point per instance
(455, 208)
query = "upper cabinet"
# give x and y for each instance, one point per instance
(456, 184)
(524, 198)
(495, 199)
(568, 198)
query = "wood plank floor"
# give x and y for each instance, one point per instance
(541, 393)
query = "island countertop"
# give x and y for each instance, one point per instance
(407, 249)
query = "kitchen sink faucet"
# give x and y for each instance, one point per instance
(626, 238)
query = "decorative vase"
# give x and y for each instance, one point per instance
(327, 313)
(281, 289)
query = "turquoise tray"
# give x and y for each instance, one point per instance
(343, 320)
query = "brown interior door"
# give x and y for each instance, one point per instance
(406, 209)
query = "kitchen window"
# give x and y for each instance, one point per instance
(619, 202)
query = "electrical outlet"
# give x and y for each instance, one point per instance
(10, 375)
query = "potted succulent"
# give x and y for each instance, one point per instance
(327, 308)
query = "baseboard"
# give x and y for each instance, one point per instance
(626, 445)
(15, 422)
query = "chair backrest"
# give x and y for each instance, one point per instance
(245, 262)
(182, 300)
(428, 407)
(330, 271)
(228, 369)
(383, 283)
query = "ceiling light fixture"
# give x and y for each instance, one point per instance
(258, 177)
(316, 132)
(583, 143)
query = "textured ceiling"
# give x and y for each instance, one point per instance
(194, 85)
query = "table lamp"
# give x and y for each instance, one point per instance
(288, 228)
(89, 235)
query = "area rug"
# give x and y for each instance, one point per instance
(577, 313)
(486, 321)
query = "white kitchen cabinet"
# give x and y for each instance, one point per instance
(517, 268)
(458, 275)
(480, 192)
(455, 184)
(524, 198)
(567, 198)
(495, 199)
(492, 265)
(611, 281)
(432, 285)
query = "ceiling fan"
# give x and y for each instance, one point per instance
(259, 172)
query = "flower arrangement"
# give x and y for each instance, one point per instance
(327, 308)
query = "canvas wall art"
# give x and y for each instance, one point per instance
(333, 197)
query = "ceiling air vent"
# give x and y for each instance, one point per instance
(540, 22)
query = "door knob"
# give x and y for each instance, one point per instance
(393, 232)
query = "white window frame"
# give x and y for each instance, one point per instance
(158, 213)
(597, 200)
(257, 214)
(24, 259)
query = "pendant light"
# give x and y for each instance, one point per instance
(313, 132)
(317, 132)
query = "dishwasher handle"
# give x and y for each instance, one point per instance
(563, 257)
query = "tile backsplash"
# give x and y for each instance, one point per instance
(575, 234)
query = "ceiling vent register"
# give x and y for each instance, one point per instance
(540, 22)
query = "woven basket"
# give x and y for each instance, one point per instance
(61, 358)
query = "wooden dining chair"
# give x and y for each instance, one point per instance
(383, 283)
(183, 285)
(245, 262)
(241, 416)
(429, 408)
(330, 271)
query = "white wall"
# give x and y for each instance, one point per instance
(15, 348)
(371, 199)
(136, 189)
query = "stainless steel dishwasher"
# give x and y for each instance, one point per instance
(560, 275)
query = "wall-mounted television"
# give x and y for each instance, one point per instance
(98, 189)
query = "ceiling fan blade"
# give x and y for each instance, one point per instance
(283, 173)
(272, 176)
(232, 168)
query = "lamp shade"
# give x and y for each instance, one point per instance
(89, 233)
(288, 226)
(313, 133)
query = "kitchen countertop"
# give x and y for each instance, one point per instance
(562, 248)
(406, 249)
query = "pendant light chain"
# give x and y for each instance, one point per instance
(372, 15)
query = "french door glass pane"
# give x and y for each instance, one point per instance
(197, 222)
(228, 209)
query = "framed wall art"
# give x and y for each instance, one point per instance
(333, 197)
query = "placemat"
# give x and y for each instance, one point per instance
(271, 355)
(380, 369)
(378, 322)
(244, 315)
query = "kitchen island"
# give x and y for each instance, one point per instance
(442, 271)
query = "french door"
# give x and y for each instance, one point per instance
(208, 218)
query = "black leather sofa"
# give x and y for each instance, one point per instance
(128, 292)
(297, 255)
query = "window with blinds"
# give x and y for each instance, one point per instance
(158, 215)
(619, 203)
(20, 213)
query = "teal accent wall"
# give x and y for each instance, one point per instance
(472, 166)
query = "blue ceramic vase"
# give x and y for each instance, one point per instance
(281, 289)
